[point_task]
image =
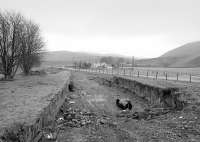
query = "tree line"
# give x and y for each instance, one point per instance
(115, 61)
(82, 65)
(21, 44)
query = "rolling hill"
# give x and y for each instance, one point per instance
(187, 55)
(67, 57)
(190, 49)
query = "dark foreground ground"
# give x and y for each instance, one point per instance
(90, 114)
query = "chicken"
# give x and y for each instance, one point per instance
(124, 104)
(71, 86)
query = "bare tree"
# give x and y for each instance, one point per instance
(32, 45)
(10, 27)
(20, 44)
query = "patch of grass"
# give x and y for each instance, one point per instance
(14, 133)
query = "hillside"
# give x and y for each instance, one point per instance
(187, 55)
(187, 50)
(67, 57)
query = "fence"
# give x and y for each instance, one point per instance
(130, 72)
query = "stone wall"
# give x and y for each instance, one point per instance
(47, 115)
(156, 96)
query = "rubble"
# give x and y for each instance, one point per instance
(83, 93)
(146, 114)
(49, 135)
(71, 102)
(149, 113)
(38, 72)
(60, 120)
(75, 117)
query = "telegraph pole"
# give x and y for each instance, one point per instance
(133, 62)
(132, 69)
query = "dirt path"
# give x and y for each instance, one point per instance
(107, 125)
(100, 100)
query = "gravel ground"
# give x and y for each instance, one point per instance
(107, 123)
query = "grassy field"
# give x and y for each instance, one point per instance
(193, 71)
(22, 99)
(186, 74)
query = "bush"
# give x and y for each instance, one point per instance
(15, 133)
(32, 46)
(20, 44)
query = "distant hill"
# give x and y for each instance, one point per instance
(67, 57)
(187, 50)
(187, 55)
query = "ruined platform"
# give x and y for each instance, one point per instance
(23, 99)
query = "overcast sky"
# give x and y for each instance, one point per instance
(141, 28)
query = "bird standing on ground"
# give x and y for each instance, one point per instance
(124, 104)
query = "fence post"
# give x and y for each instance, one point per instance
(112, 71)
(156, 75)
(138, 73)
(177, 76)
(132, 73)
(190, 78)
(147, 74)
(124, 72)
(166, 75)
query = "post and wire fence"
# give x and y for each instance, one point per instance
(141, 73)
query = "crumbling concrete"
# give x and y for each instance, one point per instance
(33, 130)
(156, 96)
(48, 115)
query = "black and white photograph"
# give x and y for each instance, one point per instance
(99, 71)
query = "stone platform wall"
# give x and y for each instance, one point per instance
(155, 95)
(47, 115)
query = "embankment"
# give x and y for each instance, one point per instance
(44, 96)
(156, 96)
(47, 116)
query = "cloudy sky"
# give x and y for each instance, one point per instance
(141, 28)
